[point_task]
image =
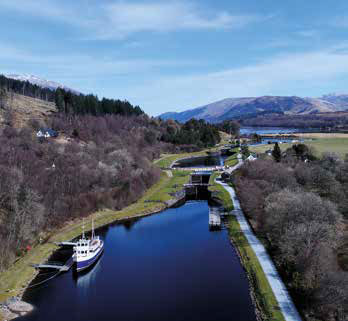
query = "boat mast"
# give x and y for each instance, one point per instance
(92, 229)
(83, 228)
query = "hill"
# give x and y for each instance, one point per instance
(340, 100)
(247, 107)
(21, 109)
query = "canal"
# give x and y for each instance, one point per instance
(164, 267)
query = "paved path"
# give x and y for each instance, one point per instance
(169, 173)
(284, 300)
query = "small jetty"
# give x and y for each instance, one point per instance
(65, 243)
(214, 218)
(61, 267)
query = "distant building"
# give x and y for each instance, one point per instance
(251, 158)
(268, 152)
(46, 133)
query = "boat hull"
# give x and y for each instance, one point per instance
(82, 265)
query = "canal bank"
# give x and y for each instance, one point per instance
(160, 196)
(270, 295)
(162, 267)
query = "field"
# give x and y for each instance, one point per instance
(322, 143)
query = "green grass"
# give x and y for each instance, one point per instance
(321, 145)
(16, 278)
(232, 160)
(167, 159)
(220, 193)
(262, 148)
(332, 145)
(263, 291)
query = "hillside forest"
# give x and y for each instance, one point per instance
(101, 159)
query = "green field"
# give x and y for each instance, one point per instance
(320, 145)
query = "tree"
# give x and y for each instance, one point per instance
(277, 153)
(245, 151)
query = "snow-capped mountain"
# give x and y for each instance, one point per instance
(40, 82)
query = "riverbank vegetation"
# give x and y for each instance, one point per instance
(261, 290)
(299, 208)
(94, 164)
(264, 296)
(219, 193)
(15, 279)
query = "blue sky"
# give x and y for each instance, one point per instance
(174, 55)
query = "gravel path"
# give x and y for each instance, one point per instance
(285, 302)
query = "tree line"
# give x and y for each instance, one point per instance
(297, 204)
(334, 121)
(194, 132)
(70, 102)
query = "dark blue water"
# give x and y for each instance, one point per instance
(198, 162)
(165, 267)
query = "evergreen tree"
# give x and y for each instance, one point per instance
(277, 153)
(245, 151)
(59, 100)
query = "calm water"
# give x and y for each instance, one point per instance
(164, 267)
(268, 130)
(200, 161)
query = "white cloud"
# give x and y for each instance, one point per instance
(119, 19)
(295, 74)
(74, 65)
(126, 18)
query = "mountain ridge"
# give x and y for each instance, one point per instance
(41, 82)
(244, 107)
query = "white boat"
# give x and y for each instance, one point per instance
(87, 251)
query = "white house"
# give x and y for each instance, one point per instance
(46, 133)
(251, 158)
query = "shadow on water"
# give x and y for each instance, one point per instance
(201, 161)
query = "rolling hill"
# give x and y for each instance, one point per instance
(240, 108)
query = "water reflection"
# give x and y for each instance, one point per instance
(166, 267)
(85, 279)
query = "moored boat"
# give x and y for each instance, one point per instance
(87, 251)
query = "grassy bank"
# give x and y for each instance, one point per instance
(264, 296)
(262, 290)
(167, 159)
(14, 280)
(232, 160)
(220, 193)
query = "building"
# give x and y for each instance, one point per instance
(46, 133)
(251, 158)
